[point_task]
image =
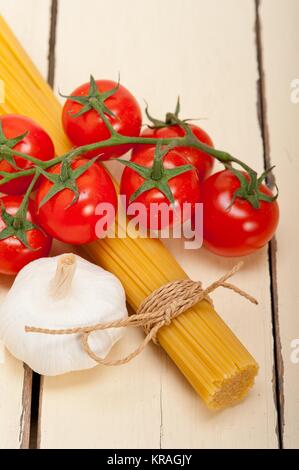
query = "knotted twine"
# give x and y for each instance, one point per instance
(159, 309)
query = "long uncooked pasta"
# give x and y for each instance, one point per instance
(209, 355)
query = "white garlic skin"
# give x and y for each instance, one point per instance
(95, 296)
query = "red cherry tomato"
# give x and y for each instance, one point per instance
(76, 223)
(240, 229)
(185, 187)
(14, 255)
(201, 160)
(89, 127)
(37, 143)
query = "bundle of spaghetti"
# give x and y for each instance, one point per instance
(206, 351)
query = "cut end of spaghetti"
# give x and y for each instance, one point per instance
(233, 389)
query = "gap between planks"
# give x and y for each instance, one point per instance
(25, 418)
(36, 385)
(278, 368)
(52, 42)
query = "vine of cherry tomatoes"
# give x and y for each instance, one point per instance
(240, 215)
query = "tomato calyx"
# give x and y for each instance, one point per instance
(94, 100)
(171, 119)
(250, 187)
(156, 177)
(6, 146)
(65, 179)
(17, 226)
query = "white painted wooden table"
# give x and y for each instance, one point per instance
(232, 63)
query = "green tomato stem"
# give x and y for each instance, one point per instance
(29, 158)
(13, 176)
(22, 211)
(189, 140)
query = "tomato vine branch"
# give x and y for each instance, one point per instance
(96, 100)
(116, 139)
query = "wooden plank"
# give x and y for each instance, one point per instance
(162, 49)
(280, 44)
(30, 21)
(15, 392)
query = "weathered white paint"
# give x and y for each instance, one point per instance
(280, 36)
(30, 22)
(11, 386)
(2, 352)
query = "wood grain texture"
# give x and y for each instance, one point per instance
(194, 52)
(11, 386)
(280, 40)
(30, 21)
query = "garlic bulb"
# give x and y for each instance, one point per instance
(61, 292)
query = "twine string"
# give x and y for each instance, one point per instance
(159, 309)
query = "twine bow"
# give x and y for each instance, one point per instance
(159, 309)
